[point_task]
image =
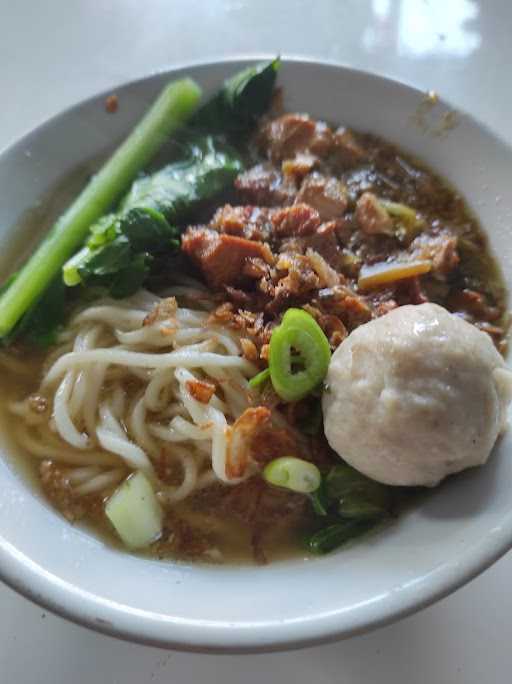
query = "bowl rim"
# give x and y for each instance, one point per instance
(32, 581)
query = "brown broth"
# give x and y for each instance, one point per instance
(227, 534)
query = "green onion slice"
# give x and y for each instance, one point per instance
(293, 473)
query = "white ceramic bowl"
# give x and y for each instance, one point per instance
(456, 533)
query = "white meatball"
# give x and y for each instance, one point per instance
(415, 395)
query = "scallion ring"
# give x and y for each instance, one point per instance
(293, 473)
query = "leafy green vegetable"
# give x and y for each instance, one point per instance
(122, 247)
(44, 319)
(171, 109)
(146, 229)
(356, 496)
(241, 101)
(113, 266)
(40, 324)
(320, 500)
(123, 252)
(350, 504)
(209, 166)
(335, 535)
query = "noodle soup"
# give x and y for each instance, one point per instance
(176, 407)
(146, 419)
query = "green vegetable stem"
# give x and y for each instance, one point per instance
(118, 251)
(172, 108)
(260, 379)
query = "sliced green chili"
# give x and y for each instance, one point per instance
(300, 334)
(293, 473)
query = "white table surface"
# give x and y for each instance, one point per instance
(55, 53)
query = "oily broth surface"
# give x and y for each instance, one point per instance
(232, 538)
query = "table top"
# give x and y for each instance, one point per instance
(55, 54)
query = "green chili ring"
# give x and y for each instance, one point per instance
(300, 332)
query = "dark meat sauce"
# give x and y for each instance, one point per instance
(310, 216)
(474, 287)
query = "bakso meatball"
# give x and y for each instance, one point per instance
(415, 395)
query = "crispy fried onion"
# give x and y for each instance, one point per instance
(240, 438)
